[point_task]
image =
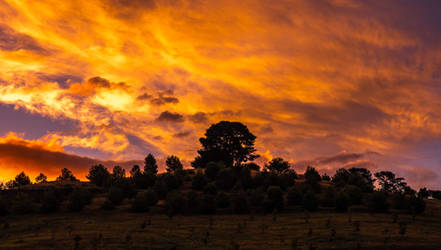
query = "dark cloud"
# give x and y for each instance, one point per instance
(182, 134)
(144, 96)
(99, 82)
(167, 116)
(361, 164)
(11, 40)
(340, 159)
(34, 160)
(129, 9)
(199, 117)
(163, 100)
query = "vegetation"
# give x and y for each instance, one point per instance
(221, 186)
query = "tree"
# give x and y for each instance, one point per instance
(377, 202)
(362, 178)
(150, 165)
(230, 142)
(66, 175)
(390, 183)
(278, 166)
(99, 175)
(21, 179)
(423, 193)
(312, 176)
(41, 178)
(135, 171)
(173, 164)
(118, 173)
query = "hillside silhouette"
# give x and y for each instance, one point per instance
(224, 181)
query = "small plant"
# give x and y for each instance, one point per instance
(333, 233)
(403, 228)
(77, 240)
(395, 218)
(310, 232)
(356, 226)
(328, 223)
(294, 244)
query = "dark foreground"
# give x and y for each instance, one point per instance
(124, 230)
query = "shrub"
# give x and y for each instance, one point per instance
(417, 204)
(210, 189)
(399, 201)
(108, 205)
(23, 204)
(126, 186)
(4, 207)
(176, 203)
(294, 197)
(326, 177)
(207, 204)
(115, 195)
(49, 202)
(173, 181)
(275, 195)
(161, 189)
(225, 179)
(309, 201)
(222, 200)
(140, 203)
(377, 202)
(199, 182)
(328, 198)
(212, 170)
(354, 194)
(341, 202)
(193, 202)
(151, 198)
(240, 203)
(79, 198)
(256, 198)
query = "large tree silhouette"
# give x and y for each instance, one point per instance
(229, 142)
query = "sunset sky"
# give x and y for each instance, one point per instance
(326, 83)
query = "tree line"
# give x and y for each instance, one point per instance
(224, 179)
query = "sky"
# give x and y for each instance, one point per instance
(326, 83)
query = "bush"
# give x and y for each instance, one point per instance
(400, 201)
(417, 204)
(212, 170)
(225, 179)
(240, 203)
(377, 202)
(222, 200)
(49, 202)
(210, 189)
(176, 203)
(354, 194)
(140, 203)
(115, 195)
(275, 196)
(161, 189)
(173, 181)
(23, 204)
(310, 201)
(207, 204)
(79, 198)
(151, 197)
(328, 198)
(256, 198)
(341, 202)
(4, 207)
(199, 182)
(127, 187)
(294, 197)
(193, 202)
(108, 205)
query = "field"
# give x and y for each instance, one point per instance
(95, 229)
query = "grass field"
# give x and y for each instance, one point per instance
(94, 229)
